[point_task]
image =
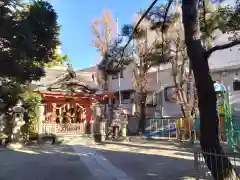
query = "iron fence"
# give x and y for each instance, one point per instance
(232, 129)
(201, 169)
(170, 128)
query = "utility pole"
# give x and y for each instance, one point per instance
(119, 74)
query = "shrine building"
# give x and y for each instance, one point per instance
(68, 97)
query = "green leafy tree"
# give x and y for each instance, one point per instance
(9, 92)
(29, 35)
(58, 60)
(28, 38)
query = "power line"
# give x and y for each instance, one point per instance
(135, 31)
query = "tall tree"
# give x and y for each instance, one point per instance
(217, 162)
(29, 35)
(139, 57)
(171, 36)
(28, 40)
(172, 33)
(199, 23)
(103, 30)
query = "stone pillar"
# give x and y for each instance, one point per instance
(2, 123)
(103, 129)
(116, 122)
(3, 136)
(41, 118)
(54, 114)
(18, 122)
(123, 121)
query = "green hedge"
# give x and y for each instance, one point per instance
(32, 103)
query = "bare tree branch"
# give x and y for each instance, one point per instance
(221, 47)
(135, 31)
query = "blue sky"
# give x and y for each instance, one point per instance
(76, 16)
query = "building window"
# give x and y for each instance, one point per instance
(115, 76)
(170, 94)
(125, 95)
(236, 85)
(149, 99)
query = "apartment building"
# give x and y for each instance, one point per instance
(224, 66)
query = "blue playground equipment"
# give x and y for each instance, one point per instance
(229, 128)
(220, 91)
(222, 104)
(160, 126)
(162, 132)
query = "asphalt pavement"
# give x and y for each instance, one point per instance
(81, 159)
(42, 163)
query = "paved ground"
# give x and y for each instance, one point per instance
(150, 161)
(84, 160)
(145, 160)
(42, 163)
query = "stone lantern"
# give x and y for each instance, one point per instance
(17, 121)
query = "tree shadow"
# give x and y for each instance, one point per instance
(41, 163)
(48, 162)
(140, 166)
(165, 145)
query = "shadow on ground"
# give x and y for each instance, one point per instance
(60, 163)
(152, 145)
(140, 166)
(41, 163)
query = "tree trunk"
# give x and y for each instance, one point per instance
(142, 120)
(219, 165)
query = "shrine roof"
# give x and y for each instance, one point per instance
(60, 78)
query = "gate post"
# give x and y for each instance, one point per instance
(40, 120)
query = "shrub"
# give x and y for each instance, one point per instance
(32, 103)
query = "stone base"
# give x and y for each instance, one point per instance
(125, 139)
(47, 139)
(14, 145)
(98, 138)
(121, 139)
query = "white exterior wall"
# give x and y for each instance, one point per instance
(226, 78)
(223, 61)
(126, 82)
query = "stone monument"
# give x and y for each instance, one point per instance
(97, 114)
(116, 121)
(17, 122)
(3, 136)
(2, 123)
